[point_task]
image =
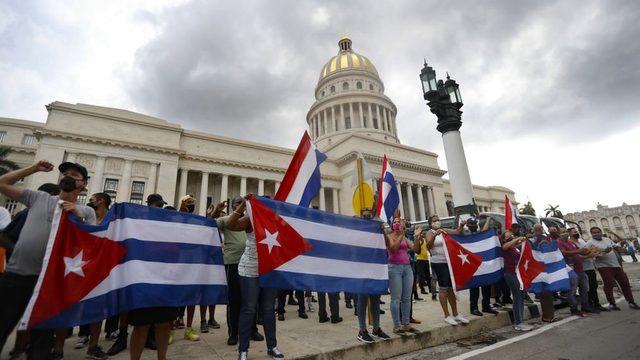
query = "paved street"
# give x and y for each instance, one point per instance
(610, 335)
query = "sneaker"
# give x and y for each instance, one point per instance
(380, 334)
(523, 327)
(82, 342)
(118, 346)
(204, 327)
(414, 321)
(113, 336)
(634, 306)
(232, 340)
(57, 355)
(399, 330)
(303, 315)
(190, 334)
(96, 353)
(349, 305)
(461, 319)
(275, 353)
(364, 336)
(583, 313)
(324, 319)
(213, 324)
(614, 307)
(243, 355)
(335, 320)
(451, 320)
(602, 308)
(280, 317)
(256, 336)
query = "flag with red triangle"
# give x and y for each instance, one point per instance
(528, 267)
(463, 263)
(276, 241)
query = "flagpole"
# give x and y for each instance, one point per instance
(360, 181)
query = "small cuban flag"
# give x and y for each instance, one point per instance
(388, 197)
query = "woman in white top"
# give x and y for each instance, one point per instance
(253, 296)
(439, 266)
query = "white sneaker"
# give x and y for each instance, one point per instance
(461, 319)
(451, 320)
(524, 327)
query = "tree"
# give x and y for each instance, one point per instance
(553, 211)
(6, 165)
(528, 209)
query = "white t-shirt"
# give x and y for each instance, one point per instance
(587, 264)
(437, 251)
(5, 217)
(606, 260)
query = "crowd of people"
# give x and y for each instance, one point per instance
(416, 264)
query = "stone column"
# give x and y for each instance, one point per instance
(342, 117)
(204, 190)
(361, 115)
(261, 187)
(184, 173)
(97, 181)
(352, 120)
(243, 186)
(71, 157)
(323, 205)
(421, 203)
(380, 121)
(395, 127)
(431, 202)
(334, 197)
(150, 187)
(370, 115)
(224, 188)
(125, 187)
(327, 122)
(412, 207)
(401, 204)
(334, 123)
(276, 187)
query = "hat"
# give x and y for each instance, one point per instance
(472, 220)
(187, 198)
(155, 198)
(69, 165)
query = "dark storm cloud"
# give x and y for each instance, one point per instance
(540, 67)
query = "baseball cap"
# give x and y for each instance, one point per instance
(155, 198)
(69, 165)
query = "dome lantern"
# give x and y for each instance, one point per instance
(344, 44)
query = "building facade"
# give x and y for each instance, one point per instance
(621, 220)
(131, 155)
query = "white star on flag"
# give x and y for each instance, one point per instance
(271, 240)
(463, 257)
(74, 265)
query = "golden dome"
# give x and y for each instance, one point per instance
(347, 59)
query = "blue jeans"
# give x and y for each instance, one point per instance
(252, 295)
(400, 286)
(362, 310)
(518, 304)
(583, 290)
(571, 294)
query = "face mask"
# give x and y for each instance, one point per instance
(93, 206)
(367, 216)
(395, 226)
(67, 184)
(597, 237)
(191, 207)
(436, 224)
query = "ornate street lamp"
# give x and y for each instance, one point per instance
(444, 100)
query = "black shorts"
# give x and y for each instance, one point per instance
(151, 315)
(442, 274)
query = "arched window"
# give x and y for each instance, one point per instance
(359, 85)
(583, 226)
(631, 223)
(371, 87)
(345, 86)
(333, 89)
(592, 223)
(616, 222)
(605, 224)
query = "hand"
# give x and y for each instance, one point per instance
(43, 166)
(439, 232)
(417, 231)
(585, 251)
(221, 206)
(70, 207)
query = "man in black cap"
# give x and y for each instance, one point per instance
(156, 200)
(23, 269)
(474, 293)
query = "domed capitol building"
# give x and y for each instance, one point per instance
(131, 155)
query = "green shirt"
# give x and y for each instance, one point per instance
(234, 241)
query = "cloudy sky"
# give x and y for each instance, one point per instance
(550, 87)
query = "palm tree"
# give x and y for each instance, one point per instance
(553, 211)
(6, 165)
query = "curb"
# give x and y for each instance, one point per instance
(428, 338)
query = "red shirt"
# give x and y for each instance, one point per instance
(573, 260)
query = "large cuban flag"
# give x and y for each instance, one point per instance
(555, 276)
(301, 182)
(343, 253)
(138, 257)
(388, 197)
(483, 246)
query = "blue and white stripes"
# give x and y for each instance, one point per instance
(555, 276)
(348, 254)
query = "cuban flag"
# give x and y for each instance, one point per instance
(388, 197)
(474, 260)
(336, 252)
(528, 267)
(555, 276)
(138, 257)
(301, 182)
(510, 216)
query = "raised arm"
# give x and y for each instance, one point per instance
(487, 223)
(7, 181)
(514, 242)
(238, 222)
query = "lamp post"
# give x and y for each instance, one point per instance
(444, 100)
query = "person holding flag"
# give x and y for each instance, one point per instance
(435, 244)
(511, 254)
